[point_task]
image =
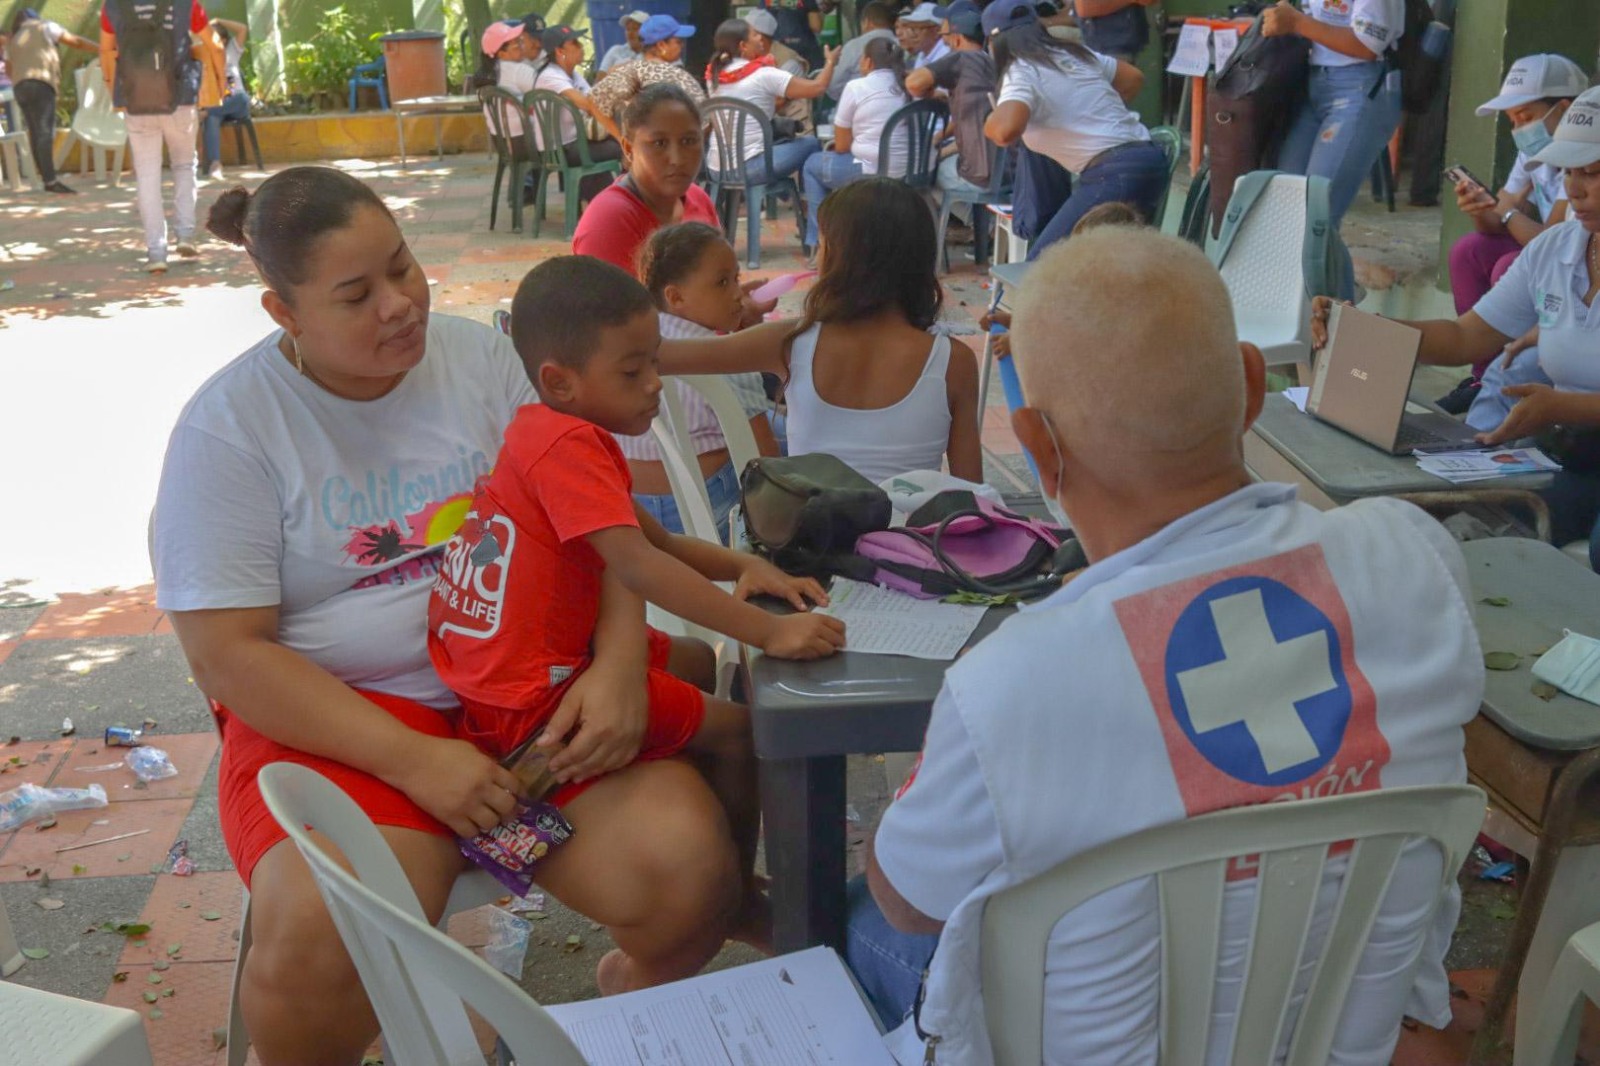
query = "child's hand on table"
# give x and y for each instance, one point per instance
(804, 636)
(760, 577)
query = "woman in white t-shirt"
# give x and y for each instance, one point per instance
(308, 491)
(1071, 104)
(732, 73)
(1352, 103)
(1553, 286)
(858, 123)
(558, 73)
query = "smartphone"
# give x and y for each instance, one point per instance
(1458, 174)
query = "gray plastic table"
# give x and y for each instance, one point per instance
(806, 718)
(1333, 468)
(1538, 760)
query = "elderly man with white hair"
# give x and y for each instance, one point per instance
(1227, 646)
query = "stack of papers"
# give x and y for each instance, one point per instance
(1459, 468)
(881, 621)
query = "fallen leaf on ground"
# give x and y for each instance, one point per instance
(120, 976)
(219, 1039)
(78, 868)
(154, 979)
(574, 943)
(48, 904)
(1501, 660)
(173, 949)
(184, 905)
(1497, 601)
(125, 857)
(36, 953)
(167, 993)
(161, 964)
(150, 997)
(1545, 690)
(1501, 911)
(156, 1014)
(32, 871)
(210, 916)
(130, 929)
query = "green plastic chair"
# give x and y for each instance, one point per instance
(511, 135)
(548, 109)
(1169, 141)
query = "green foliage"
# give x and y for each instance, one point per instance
(324, 63)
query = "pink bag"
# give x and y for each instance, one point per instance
(958, 542)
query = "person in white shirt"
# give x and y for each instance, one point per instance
(735, 72)
(858, 123)
(1227, 646)
(763, 41)
(632, 48)
(922, 37)
(1071, 104)
(558, 73)
(1552, 288)
(507, 43)
(1534, 96)
(1352, 104)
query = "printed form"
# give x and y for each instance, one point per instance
(796, 1010)
(882, 621)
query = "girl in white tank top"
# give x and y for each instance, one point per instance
(866, 382)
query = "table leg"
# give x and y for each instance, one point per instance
(802, 811)
(400, 134)
(1560, 812)
(438, 137)
(1197, 125)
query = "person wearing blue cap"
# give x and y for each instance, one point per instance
(662, 37)
(1069, 103)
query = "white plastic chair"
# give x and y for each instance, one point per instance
(1189, 860)
(732, 422)
(16, 159)
(417, 978)
(39, 1027)
(1552, 1039)
(97, 125)
(1264, 273)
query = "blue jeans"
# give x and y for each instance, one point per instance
(887, 963)
(823, 172)
(723, 488)
(787, 158)
(234, 105)
(1136, 176)
(1338, 133)
(1574, 501)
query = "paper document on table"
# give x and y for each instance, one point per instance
(1296, 394)
(1459, 468)
(1224, 41)
(881, 621)
(795, 1010)
(1192, 57)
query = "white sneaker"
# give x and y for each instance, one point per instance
(186, 248)
(155, 266)
(215, 173)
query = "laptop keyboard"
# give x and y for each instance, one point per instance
(1415, 436)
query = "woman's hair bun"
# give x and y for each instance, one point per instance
(226, 218)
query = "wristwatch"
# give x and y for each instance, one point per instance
(1505, 219)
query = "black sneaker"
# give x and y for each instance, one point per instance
(1458, 399)
(58, 186)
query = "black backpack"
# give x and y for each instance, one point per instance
(1253, 99)
(147, 69)
(1420, 72)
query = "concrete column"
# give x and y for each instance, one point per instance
(261, 16)
(1490, 35)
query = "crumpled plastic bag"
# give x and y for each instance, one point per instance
(508, 942)
(27, 803)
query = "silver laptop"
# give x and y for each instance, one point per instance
(1362, 381)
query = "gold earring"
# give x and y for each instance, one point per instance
(299, 362)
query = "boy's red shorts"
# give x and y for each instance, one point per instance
(248, 828)
(677, 710)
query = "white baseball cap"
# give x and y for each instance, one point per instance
(763, 22)
(638, 18)
(925, 12)
(1577, 138)
(1533, 78)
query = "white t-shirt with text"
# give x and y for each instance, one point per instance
(1378, 24)
(1545, 287)
(277, 493)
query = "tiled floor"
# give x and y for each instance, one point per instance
(108, 657)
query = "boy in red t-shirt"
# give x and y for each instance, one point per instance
(518, 597)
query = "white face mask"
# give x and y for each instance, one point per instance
(1051, 503)
(1573, 666)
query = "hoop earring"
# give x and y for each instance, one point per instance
(299, 362)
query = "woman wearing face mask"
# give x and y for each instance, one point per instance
(1552, 286)
(1536, 93)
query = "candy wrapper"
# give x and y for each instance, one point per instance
(509, 852)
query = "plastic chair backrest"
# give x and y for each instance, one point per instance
(500, 104)
(547, 109)
(732, 423)
(732, 123)
(1190, 861)
(416, 977)
(1170, 141)
(923, 120)
(96, 121)
(1261, 247)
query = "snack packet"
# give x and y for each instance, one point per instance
(510, 851)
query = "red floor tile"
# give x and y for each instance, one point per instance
(190, 753)
(177, 913)
(6, 648)
(118, 613)
(31, 762)
(182, 1034)
(29, 849)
